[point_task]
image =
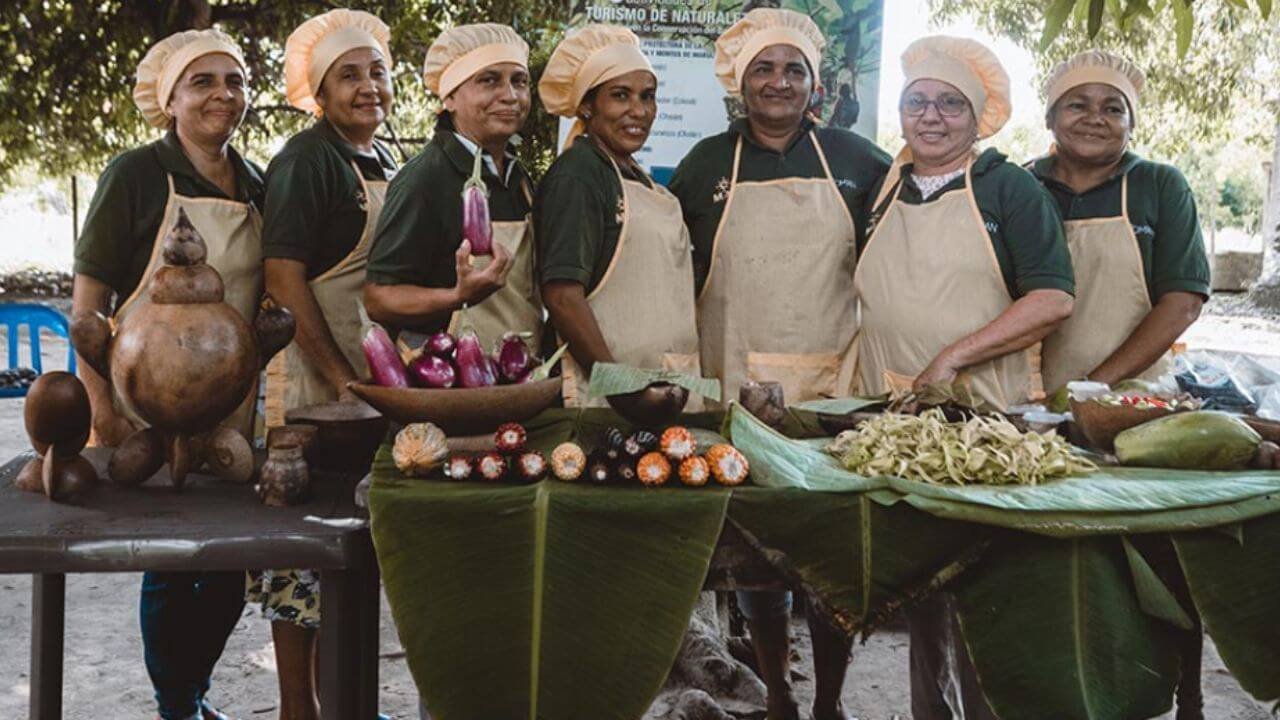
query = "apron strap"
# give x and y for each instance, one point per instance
(622, 231)
(724, 216)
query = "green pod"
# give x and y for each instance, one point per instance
(1201, 440)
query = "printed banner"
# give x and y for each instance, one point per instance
(679, 37)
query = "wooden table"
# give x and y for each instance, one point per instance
(210, 525)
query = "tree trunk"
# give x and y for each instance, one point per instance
(1271, 219)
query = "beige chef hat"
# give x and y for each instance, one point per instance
(163, 65)
(319, 42)
(759, 29)
(587, 57)
(1095, 66)
(971, 68)
(465, 50)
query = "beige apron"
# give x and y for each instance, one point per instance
(644, 304)
(778, 303)
(1111, 298)
(292, 380)
(928, 277)
(517, 306)
(232, 232)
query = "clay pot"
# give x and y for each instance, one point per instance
(304, 436)
(284, 478)
(348, 433)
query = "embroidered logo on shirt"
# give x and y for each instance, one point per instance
(722, 190)
(846, 184)
(361, 200)
(993, 228)
(1144, 230)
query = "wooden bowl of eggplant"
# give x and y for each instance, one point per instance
(461, 411)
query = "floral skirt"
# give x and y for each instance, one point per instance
(286, 595)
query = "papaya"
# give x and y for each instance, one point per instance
(1200, 440)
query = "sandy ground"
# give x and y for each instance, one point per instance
(105, 676)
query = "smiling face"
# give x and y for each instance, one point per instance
(356, 92)
(491, 105)
(208, 101)
(620, 112)
(937, 123)
(777, 87)
(1091, 124)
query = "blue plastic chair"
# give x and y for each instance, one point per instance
(35, 317)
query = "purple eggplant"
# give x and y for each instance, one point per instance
(440, 344)
(476, 227)
(497, 371)
(474, 368)
(514, 358)
(384, 362)
(430, 371)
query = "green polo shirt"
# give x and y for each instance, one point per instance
(420, 228)
(1023, 224)
(1162, 212)
(128, 206)
(578, 214)
(315, 201)
(701, 182)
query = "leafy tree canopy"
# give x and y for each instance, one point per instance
(66, 90)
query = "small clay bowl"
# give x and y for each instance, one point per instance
(348, 433)
(304, 436)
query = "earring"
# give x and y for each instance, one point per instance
(586, 114)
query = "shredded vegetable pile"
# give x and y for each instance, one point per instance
(983, 450)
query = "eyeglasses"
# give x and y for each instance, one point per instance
(948, 106)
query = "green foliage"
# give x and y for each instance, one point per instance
(66, 93)
(1205, 106)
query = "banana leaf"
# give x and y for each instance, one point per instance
(1111, 501)
(553, 600)
(1056, 631)
(1236, 588)
(861, 558)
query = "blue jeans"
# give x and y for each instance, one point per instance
(186, 618)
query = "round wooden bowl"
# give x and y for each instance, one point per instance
(1102, 423)
(348, 433)
(461, 411)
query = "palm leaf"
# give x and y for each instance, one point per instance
(1236, 588)
(1055, 630)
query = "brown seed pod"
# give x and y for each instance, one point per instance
(138, 458)
(228, 455)
(66, 479)
(182, 245)
(198, 284)
(30, 477)
(57, 414)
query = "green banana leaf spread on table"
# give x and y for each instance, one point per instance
(562, 600)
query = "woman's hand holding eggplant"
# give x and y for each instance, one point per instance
(475, 284)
